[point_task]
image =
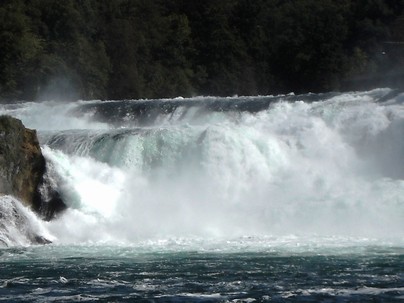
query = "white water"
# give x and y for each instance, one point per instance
(323, 169)
(18, 225)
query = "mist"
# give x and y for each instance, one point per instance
(322, 169)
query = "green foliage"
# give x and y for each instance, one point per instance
(165, 48)
(310, 46)
(19, 48)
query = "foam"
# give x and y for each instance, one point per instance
(309, 169)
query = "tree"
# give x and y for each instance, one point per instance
(19, 49)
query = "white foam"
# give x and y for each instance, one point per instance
(19, 225)
(51, 116)
(321, 169)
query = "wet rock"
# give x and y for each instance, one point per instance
(41, 240)
(21, 162)
(23, 167)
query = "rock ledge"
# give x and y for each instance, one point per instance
(22, 168)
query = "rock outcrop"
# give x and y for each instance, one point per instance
(22, 164)
(22, 168)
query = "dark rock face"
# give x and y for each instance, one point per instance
(22, 168)
(47, 201)
(21, 162)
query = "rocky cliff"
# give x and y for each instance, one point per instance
(21, 162)
(22, 168)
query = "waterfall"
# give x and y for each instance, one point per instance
(205, 167)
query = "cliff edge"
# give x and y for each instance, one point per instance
(22, 164)
(23, 167)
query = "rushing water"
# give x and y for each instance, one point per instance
(154, 274)
(244, 199)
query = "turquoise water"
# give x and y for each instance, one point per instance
(366, 273)
(243, 199)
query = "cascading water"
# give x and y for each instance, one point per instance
(18, 225)
(313, 165)
(244, 199)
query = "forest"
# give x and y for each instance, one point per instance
(130, 49)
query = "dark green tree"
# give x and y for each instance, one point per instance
(165, 48)
(19, 50)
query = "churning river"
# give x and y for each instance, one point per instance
(242, 199)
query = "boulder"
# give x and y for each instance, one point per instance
(22, 164)
(23, 167)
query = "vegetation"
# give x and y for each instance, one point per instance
(164, 48)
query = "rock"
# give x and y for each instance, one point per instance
(22, 168)
(41, 240)
(48, 202)
(21, 162)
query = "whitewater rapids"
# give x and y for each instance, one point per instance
(309, 166)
